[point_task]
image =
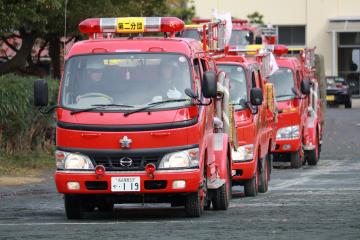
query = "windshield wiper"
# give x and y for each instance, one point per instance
(285, 95)
(98, 106)
(150, 105)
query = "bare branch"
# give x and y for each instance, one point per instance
(12, 47)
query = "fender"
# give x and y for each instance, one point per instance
(221, 147)
(310, 137)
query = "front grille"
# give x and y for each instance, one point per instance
(96, 185)
(154, 185)
(122, 162)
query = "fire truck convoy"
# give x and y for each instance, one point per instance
(292, 89)
(135, 120)
(253, 134)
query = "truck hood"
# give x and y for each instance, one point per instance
(118, 118)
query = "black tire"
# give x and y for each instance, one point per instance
(223, 194)
(348, 103)
(312, 156)
(296, 160)
(270, 164)
(207, 205)
(263, 176)
(251, 188)
(221, 198)
(73, 207)
(194, 206)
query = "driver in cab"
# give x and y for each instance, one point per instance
(169, 82)
(94, 85)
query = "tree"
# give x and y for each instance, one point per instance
(45, 19)
(256, 18)
(182, 9)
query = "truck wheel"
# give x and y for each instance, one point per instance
(251, 186)
(73, 207)
(195, 202)
(223, 194)
(348, 103)
(270, 164)
(207, 205)
(296, 159)
(264, 176)
(221, 198)
(312, 156)
(194, 205)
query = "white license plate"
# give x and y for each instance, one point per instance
(125, 184)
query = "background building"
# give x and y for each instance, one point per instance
(333, 26)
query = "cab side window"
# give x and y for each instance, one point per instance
(253, 80)
(298, 79)
(197, 77)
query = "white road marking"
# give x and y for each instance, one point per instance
(306, 175)
(100, 223)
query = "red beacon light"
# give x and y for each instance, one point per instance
(99, 171)
(92, 26)
(150, 169)
(240, 22)
(200, 20)
(280, 50)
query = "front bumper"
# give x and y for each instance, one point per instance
(162, 182)
(244, 170)
(288, 145)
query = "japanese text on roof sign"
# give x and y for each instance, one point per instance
(129, 25)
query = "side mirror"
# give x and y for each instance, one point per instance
(256, 96)
(41, 93)
(305, 86)
(209, 84)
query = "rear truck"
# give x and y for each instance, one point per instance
(315, 120)
(252, 135)
(141, 130)
(292, 103)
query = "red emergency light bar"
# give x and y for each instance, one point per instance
(131, 25)
(200, 20)
(280, 50)
(240, 21)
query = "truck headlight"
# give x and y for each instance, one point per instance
(243, 153)
(66, 160)
(291, 132)
(182, 159)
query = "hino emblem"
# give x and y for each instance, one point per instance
(125, 142)
(126, 162)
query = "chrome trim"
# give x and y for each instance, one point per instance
(126, 172)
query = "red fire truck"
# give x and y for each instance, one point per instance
(315, 120)
(292, 90)
(135, 120)
(253, 134)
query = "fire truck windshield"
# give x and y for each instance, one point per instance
(191, 33)
(283, 80)
(241, 38)
(125, 81)
(238, 83)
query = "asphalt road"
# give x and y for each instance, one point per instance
(320, 202)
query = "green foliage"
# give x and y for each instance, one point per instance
(22, 127)
(183, 9)
(256, 18)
